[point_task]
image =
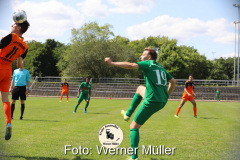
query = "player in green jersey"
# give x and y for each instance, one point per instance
(155, 94)
(218, 95)
(84, 91)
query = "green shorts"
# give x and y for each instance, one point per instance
(146, 110)
(81, 97)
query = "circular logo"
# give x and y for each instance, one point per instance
(110, 136)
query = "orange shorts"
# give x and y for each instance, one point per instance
(187, 98)
(64, 92)
(5, 78)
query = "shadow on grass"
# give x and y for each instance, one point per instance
(42, 158)
(40, 120)
(208, 118)
(97, 113)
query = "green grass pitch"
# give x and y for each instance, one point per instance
(49, 125)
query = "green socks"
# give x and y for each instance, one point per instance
(75, 108)
(86, 106)
(134, 141)
(135, 102)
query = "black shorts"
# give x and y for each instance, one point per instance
(19, 91)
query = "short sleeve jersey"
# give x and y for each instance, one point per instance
(85, 88)
(156, 78)
(65, 86)
(218, 93)
(11, 47)
(189, 86)
(21, 78)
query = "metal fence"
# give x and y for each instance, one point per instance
(126, 87)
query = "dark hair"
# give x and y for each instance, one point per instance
(88, 77)
(24, 26)
(190, 75)
(152, 53)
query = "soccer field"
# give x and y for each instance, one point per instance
(49, 125)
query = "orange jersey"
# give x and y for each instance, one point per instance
(189, 86)
(12, 47)
(64, 86)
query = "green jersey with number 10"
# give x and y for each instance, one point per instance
(156, 78)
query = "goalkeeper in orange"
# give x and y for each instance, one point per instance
(64, 89)
(188, 96)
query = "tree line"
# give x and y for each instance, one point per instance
(91, 43)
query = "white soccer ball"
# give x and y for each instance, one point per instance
(19, 16)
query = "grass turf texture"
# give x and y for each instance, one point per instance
(49, 125)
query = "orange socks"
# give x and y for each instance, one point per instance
(178, 110)
(61, 98)
(195, 111)
(7, 110)
(67, 98)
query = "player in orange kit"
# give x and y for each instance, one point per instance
(188, 96)
(12, 47)
(64, 89)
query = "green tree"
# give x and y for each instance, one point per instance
(34, 48)
(90, 45)
(217, 71)
(45, 61)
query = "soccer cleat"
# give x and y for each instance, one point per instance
(74, 112)
(176, 116)
(60, 101)
(85, 111)
(195, 116)
(67, 101)
(8, 132)
(20, 118)
(125, 117)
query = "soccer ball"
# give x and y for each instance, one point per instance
(19, 16)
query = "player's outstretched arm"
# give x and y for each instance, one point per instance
(126, 65)
(171, 86)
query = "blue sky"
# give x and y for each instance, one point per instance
(207, 25)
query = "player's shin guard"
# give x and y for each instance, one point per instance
(12, 109)
(135, 102)
(22, 109)
(7, 111)
(134, 141)
(195, 111)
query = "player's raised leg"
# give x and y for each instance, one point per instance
(137, 98)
